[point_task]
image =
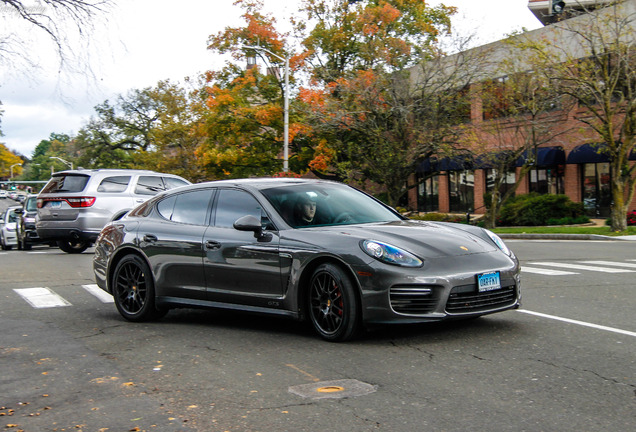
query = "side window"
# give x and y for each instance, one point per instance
(189, 207)
(172, 182)
(149, 185)
(233, 204)
(166, 207)
(114, 184)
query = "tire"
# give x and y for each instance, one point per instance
(73, 246)
(133, 290)
(4, 246)
(333, 306)
(25, 244)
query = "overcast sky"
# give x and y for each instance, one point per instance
(145, 41)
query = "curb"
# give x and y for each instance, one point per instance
(564, 237)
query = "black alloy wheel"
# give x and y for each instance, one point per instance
(333, 304)
(133, 290)
(73, 246)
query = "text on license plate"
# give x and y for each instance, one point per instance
(55, 204)
(488, 281)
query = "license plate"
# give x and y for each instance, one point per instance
(488, 281)
(55, 204)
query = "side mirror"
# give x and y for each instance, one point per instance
(18, 211)
(249, 223)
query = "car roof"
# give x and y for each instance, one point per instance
(110, 171)
(268, 182)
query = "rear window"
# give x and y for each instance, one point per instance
(149, 185)
(66, 183)
(172, 182)
(114, 184)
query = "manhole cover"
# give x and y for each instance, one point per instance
(333, 389)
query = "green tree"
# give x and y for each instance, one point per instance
(155, 128)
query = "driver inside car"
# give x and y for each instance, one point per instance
(305, 211)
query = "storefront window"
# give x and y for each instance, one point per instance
(547, 180)
(461, 189)
(428, 194)
(507, 183)
(597, 195)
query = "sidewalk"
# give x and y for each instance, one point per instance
(594, 222)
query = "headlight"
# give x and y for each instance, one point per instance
(389, 254)
(499, 242)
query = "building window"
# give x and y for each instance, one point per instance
(548, 180)
(597, 194)
(428, 194)
(461, 190)
(507, 183)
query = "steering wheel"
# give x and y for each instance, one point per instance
(343, 218)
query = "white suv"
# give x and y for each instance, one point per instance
(75, 205)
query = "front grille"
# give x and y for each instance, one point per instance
(465, 298)
(414, 299)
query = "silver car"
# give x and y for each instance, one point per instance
(8, 237)
(75, 205)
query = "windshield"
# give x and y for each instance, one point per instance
(324, 204)
(31, 204)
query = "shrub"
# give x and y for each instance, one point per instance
(535, 209)
(439, 217)
(631, 218)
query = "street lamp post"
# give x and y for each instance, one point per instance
(286, 106)
(18, 164)
(70, 164)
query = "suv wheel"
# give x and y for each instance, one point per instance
(73, 246)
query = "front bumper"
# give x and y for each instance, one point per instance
(445, 288)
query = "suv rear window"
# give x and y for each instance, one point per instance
(149, 185)
(114, 184)
(66, 183)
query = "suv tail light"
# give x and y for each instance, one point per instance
(74, 202)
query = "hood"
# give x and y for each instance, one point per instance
(424, 239)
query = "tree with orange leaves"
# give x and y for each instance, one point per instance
(245, 117)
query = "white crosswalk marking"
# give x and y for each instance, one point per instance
(572, 266)
(547, 272)
(41, 297)
(611, 263)
(102, 295)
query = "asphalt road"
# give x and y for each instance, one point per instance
(565, 362)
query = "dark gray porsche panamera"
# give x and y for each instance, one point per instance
(306, 249)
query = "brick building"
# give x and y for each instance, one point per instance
(571, 163)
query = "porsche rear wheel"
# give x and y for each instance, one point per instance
(333, 305)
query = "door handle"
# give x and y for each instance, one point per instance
(150, 238)
(212, 245)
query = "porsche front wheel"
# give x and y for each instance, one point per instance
(333, 305)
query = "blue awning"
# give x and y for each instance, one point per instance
(546, 157)
(494, 159)
(587, 153)
(455, 163)
(427, 166)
